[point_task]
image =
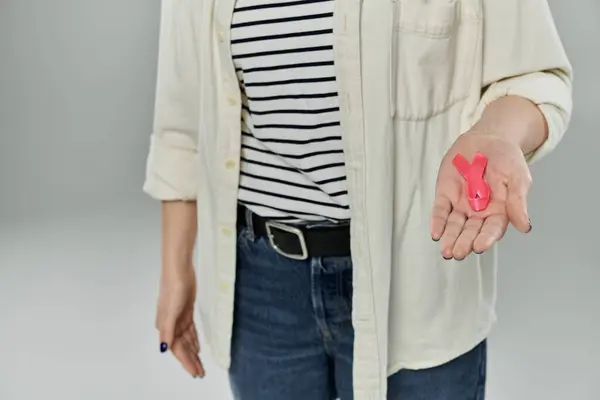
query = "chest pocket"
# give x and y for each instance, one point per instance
(432, 55)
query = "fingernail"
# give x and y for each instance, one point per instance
(163, 347)
(447, 258)
(434, 239)
(530, 227)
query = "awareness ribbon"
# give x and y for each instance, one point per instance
(478, 191)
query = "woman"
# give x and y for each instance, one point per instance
(306, 147)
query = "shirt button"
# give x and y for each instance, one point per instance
(230, 164)
(224, 287)
(221, 36)
(226, 231)
(232, 101)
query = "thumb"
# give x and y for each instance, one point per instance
(516, 204)
(167, 334)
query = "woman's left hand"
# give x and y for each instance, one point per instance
(461, 230)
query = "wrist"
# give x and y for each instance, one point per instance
(177, 265)
(516, 120)
(178, 236)
(177, 273)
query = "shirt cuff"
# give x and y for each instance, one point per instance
(545, 89)
(172, 167)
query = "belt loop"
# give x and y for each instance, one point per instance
(249, 224)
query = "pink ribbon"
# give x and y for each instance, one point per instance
(478, 191)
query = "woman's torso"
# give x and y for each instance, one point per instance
(408, 78)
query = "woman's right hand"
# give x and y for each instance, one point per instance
(175, 318)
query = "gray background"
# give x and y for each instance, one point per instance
(79, 256)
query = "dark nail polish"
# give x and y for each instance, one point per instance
(530, 226)
(163, 347)
(447, 258)
(435, 240)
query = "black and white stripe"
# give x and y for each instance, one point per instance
(292, 155)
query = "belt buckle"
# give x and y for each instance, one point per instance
(270, 225)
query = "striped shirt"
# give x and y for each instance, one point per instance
(292, 163)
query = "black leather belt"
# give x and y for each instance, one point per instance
(300, 242)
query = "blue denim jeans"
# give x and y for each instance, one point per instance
(293, 335)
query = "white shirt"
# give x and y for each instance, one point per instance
(413, 75)
(292, 154)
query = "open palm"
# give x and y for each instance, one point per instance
(461, 230)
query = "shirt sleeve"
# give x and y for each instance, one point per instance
(524, 56)
(172, 162)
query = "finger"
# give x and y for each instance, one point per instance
(199, 367)
(195, 358)
(492, 230)
(187, 358)
(194, 350)
(454, 226)
(192, 339)
(516, 204)
(166, 328)
(464, 243)
(195, 335)
(439, 216)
